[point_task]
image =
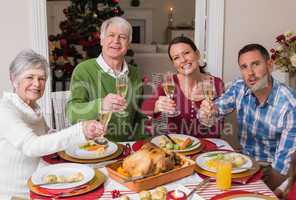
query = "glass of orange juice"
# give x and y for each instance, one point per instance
(223, 175)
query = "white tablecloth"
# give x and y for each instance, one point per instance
(189, 182)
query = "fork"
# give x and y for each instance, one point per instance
(204, 182)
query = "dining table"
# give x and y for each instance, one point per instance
(208, 191)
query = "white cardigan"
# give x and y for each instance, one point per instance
(23, 140)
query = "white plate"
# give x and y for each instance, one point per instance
(247, 198)
(202, 158)
(63, 169)
(77, 152)
(195, 142)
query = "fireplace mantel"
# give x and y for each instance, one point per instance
(145, 14)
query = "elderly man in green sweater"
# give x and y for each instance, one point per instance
(93, 85)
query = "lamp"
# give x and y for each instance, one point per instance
(171, 17)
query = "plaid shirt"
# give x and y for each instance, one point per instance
(267, 132)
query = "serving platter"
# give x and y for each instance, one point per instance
(153, 180)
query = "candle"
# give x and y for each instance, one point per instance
(171, 19)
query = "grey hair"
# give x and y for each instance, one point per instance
(116, 21)
(27, 59)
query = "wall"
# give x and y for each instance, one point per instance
(253, 21)
(14, 36)
(183, 13)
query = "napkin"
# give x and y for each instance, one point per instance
(194, 196)
(56, 192)
(230, 193)
(53, 159)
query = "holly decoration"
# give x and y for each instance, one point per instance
(115, 194)
(80, 33)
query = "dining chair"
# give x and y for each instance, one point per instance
(160, 124)
(59, 101)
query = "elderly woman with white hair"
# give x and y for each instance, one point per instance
(93, 85)
(23, 136)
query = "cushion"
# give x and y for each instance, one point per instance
(162, 48)
(143, 48)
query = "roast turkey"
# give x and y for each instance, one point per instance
(150, 159)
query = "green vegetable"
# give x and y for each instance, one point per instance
(176, 147)
(169, 146)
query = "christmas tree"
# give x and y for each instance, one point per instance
(80, 34)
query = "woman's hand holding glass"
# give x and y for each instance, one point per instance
(165, 104)
(93, 129)
(168, 86)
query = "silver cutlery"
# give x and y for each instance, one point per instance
(171, 139)
(204, 182)
(101, 141)
(42, 184)
(103, 164)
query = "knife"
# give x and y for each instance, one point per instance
(171, 139)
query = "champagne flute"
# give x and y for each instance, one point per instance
(168, 86)
(209, 92)
(104, 118)
(121, 89)
(208, 87)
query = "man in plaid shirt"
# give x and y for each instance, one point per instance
(265, 109)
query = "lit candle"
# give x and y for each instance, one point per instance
(171, 20)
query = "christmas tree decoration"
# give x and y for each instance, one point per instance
(81, 28)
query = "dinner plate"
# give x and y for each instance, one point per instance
(248, 197)
(195, 142)
(77, 152)
(63, 169)
(202, 158)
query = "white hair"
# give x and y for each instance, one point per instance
(25, 60)
(119, 21)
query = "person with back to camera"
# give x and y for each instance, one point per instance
(189, 82)
(23, 136)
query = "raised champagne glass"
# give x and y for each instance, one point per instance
(209, 92)
(121, 89)
(104, 118)
(168, 86)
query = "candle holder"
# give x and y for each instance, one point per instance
(171, 17)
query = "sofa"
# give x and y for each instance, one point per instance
(151, 58)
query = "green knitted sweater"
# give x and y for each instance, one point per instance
(89, 85)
